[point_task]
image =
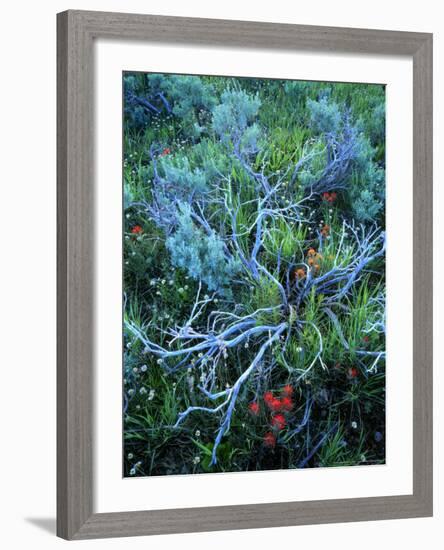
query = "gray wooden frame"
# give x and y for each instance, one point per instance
(76, 32)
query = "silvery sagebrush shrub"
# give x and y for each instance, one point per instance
(182, 178)
(325, 116)
(202, 255)
(235, 113)
(191, 100)
(187, 97)
(356, 171)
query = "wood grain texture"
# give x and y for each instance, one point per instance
(77, 31)
(75, 276)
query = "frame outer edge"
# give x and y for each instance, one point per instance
(74, 276)
(423, 274)
(75, 33)
(62, 58)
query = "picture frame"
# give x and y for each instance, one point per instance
(76, 33)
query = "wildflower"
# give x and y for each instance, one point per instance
(365, 339)
(136, 230)
(354, 425)
(130, 456)
(311, 252)
(269, 439)
(254, 408)
(287, 390)
(166, 151)
(286, 403)
(278, 421)
(159, 361)
(196, 460)
(132, 471)
(352, 372)
(151, 395)
(142, 390)
(197, 434)
(300, 273)
(268, 397)
(276, 405)
(329, 197)
(325, 231)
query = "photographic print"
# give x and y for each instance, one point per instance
(253, 274)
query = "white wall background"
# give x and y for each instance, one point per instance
(27, 217)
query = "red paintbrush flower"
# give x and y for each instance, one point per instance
(136, 230)
(353, 372)
(287, 390)
(278, 421)
(254, 408)
(286, 403)
(269, 439)
(166, 151)
(276, 405)
(268, 397)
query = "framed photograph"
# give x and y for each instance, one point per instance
(244, 275)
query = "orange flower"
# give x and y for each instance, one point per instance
(300, 273)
